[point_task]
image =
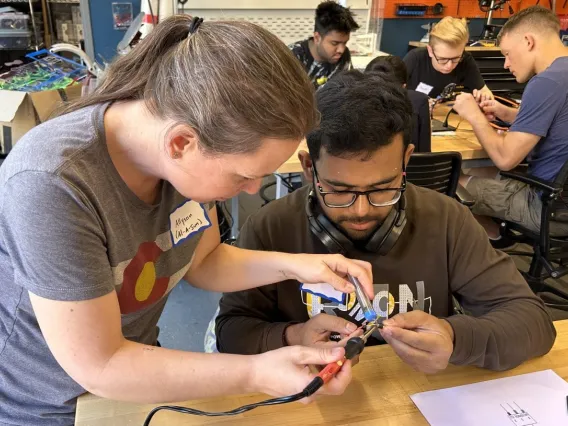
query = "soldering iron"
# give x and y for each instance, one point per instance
(353, 348)
(364, 302)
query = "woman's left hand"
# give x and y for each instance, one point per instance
(331, 269)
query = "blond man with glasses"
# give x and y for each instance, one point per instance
(445, 61)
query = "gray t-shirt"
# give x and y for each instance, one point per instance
(70, 229)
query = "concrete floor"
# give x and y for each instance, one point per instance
(186, 317)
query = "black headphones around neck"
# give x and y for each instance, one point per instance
(383, 239)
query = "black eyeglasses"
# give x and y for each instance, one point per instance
(376, 197)
(444, 61)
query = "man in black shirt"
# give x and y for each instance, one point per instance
(445, 61)
(394, 67)
(326, 53)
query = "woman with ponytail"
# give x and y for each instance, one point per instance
(107, 207)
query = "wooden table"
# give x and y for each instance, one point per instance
(379, 394)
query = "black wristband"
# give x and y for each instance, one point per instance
(284, 341)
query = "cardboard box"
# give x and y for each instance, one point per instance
(21, 111)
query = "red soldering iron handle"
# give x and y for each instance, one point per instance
(330, 370)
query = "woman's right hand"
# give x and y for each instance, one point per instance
(286, 371)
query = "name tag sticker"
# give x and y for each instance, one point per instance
(187, 219)
(424, 88)
(326, 291)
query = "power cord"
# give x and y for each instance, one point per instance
(353, 348)
(225, 223)
(309, 390)
(151, 12)
(286, 181)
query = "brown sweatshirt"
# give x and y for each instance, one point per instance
(442, 251)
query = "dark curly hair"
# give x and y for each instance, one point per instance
(389, 65)
(360, 113)
(331, 16)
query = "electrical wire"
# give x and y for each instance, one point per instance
(286, 181)
(151, 12)
(310, 389)
(226, 218)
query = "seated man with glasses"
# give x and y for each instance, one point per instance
(424, 248)
(445, 61)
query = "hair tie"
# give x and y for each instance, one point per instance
(195, 23)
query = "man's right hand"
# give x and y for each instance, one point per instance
(494, 109)
(317, 330)
(286, 371)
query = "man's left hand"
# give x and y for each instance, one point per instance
(468, 108)
(420, 340)
(483, 95)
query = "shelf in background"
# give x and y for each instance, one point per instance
(64, 1)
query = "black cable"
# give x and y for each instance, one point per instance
(445, 122)
(286, 181)
(312, 388)
(262, 192)
(225, 220)
(483, 27)
(151, 12)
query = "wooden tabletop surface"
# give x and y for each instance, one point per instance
(463, 141)
(379, 394)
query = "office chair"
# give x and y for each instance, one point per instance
(439, 171)
(550, 253)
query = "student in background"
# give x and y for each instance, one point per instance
(535, 54)
(445, 61)
(326, 53)
(422, 125)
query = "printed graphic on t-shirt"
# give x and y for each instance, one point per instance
(139, 279)
(384, 303)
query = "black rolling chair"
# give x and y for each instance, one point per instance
(439, 171)
(550, 253)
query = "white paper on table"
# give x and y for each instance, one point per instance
(529, 399)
